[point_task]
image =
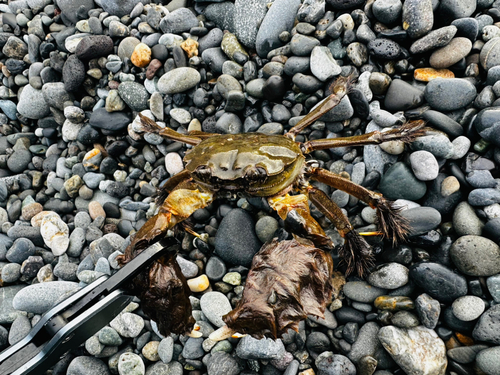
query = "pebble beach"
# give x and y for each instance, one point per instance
(78, 174)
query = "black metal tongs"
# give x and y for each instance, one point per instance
(71, 322)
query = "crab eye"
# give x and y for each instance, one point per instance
(257, 174)
(203, 172)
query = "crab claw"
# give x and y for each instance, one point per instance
(288, 281)
(195, 333)
(222, 333)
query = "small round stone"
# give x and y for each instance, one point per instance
(424, 165)
(131, 363)
(468, 308)
(389, 276)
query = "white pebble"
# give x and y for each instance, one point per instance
(424, 165)
(173, 163)
(461, 146)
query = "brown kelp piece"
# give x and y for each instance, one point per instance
(288, 281)
(164, 294)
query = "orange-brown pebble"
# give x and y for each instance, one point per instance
(428, 74)
(190, 46)
(96, 210)
(141, 55)
(309, 371)
(452, 343)
(465, 340)
(394, 303)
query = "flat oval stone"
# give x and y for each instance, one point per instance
(435, 39)
(442, 122)
(438, 281)
(178, 80)
(428, 74)
(361, 291)
(476, 255)
(449, 94)
(39, 298)
(450, 54)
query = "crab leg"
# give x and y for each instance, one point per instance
(185, 199)
(298, 207)
(356, 253)
(392, 225)
(406, 133)
(152, 127)
(339, 89)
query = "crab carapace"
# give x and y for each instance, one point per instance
(274, 167)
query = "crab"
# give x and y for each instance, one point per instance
(276, 168)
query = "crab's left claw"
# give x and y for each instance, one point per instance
(288, 281)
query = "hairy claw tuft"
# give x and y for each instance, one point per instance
(356, 254)
(392, 224)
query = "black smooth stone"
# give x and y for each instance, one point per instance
(112, 121)
(438, 281)
(492, 230)
(442, 122)
(456, 324)
(348, 314)
(434, 199)
(359, 104)
(274, 88)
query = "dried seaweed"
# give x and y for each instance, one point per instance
(288, 281)
(164, 294)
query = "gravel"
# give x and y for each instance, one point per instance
(78, 174)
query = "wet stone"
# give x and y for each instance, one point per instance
(435, 39)
(456, 50)
(465, 220)
(236, 241)
(438, 281)
(280, 17)
(384, 49)
(449, 94)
